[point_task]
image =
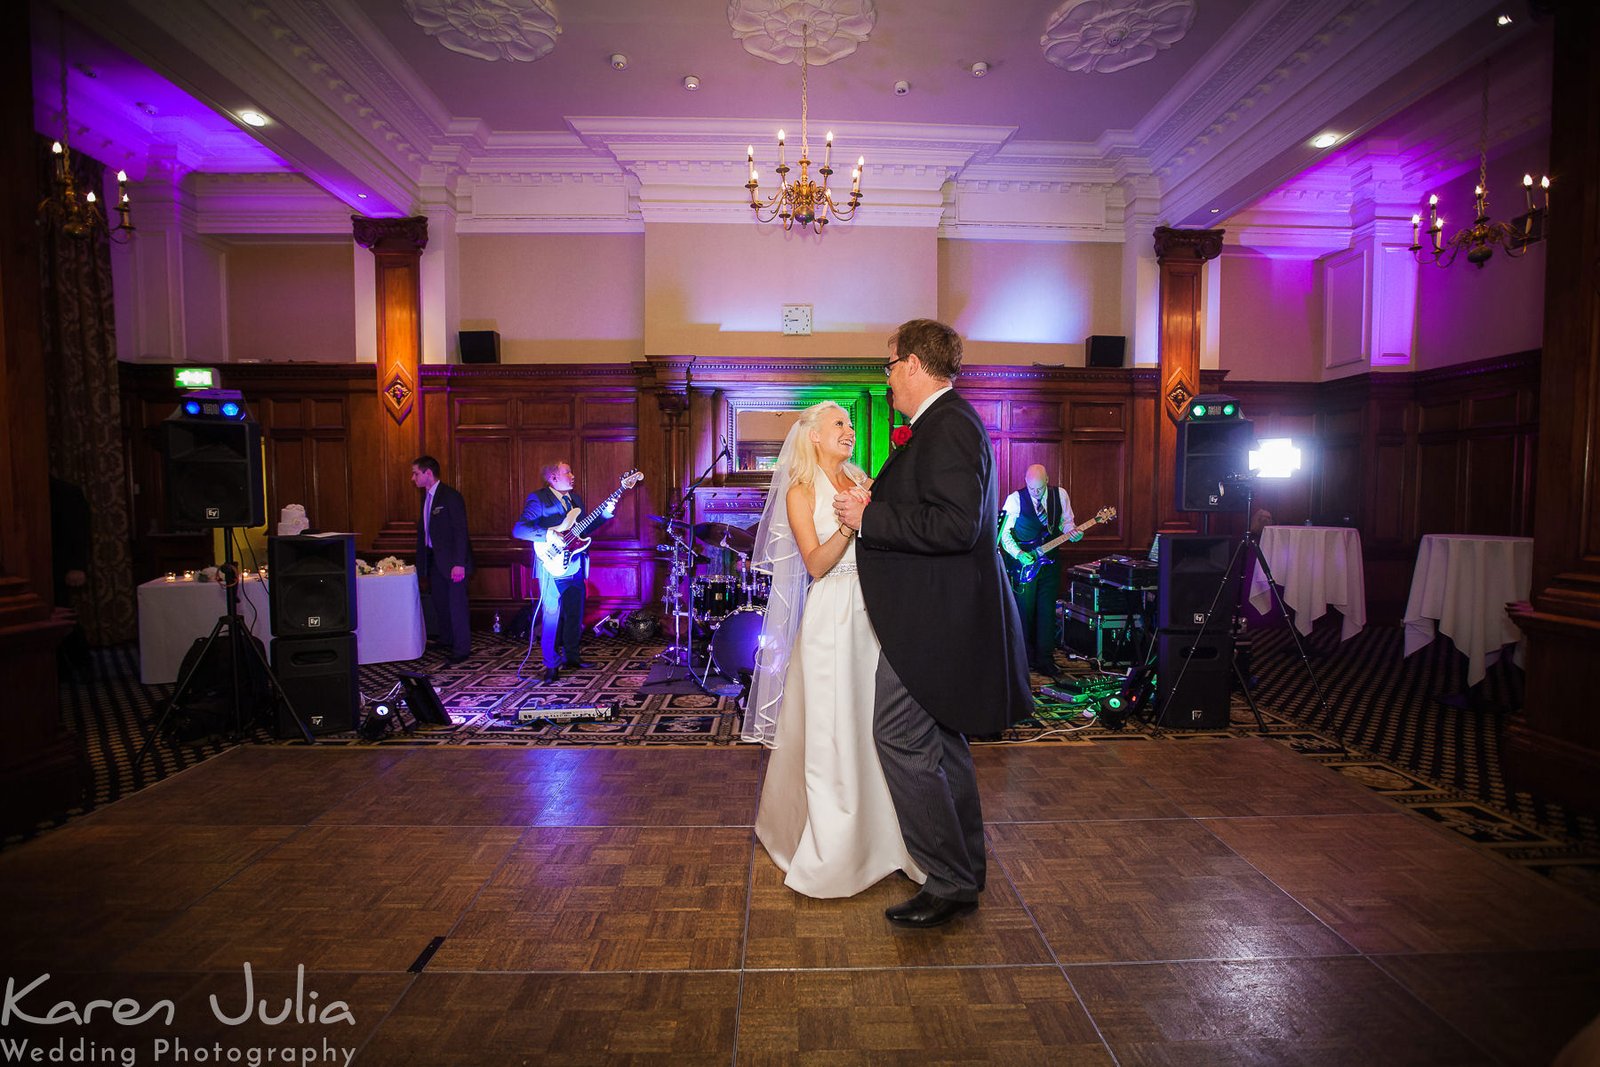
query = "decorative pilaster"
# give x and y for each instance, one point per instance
(1181, 256)
(396, 246)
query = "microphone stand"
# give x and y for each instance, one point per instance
(680, 601)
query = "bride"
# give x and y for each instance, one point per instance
(825, 818)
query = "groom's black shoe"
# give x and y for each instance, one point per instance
(925, 910)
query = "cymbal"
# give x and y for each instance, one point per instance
(721, 535)
(669, 523)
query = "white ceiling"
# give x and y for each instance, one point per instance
(363, 100)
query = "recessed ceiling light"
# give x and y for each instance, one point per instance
(1324, 140)
(361, 196)
(1503, 20)
(253, 118)
(690, 82)
(619, 61)
(147, 108)
(980, 69)
(1216, 210)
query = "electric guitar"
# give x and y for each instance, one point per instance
(1026, 572)
(561, 552)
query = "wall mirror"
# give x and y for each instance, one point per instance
(758, 424)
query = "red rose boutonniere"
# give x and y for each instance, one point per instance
(899, 436)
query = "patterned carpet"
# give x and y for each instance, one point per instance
(1441, 763)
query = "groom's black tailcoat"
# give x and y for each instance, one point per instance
(932, 578)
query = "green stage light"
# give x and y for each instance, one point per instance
(1228, 409)
(1199, 411)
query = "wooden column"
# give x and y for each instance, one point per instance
(1182, 255)
(39, 767)
(396, 246)
(1553, 746)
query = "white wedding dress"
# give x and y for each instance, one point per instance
(826, 817)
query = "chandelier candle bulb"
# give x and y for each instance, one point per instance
(1416, 221)
(827, 151)
(1527, 190)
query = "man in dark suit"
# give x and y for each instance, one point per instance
(444, 556)
(953, 660)
(560, 596)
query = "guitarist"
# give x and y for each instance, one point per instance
(560, 599)
(1031, 516)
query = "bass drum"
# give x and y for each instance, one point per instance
(733, 646)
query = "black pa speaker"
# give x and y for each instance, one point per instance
(312, 584)
(479, 346)
(318, 676)
(1191, 570)
(207, 706)
(1101, 350)
(213, 473)
(1194, 674)
(1212, 457)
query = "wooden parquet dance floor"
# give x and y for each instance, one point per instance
(1198, 902)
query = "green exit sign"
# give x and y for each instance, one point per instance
(194, 377)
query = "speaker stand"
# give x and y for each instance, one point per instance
(238, 634)
(1239, 560)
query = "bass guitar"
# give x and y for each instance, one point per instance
(561, 552)
(1026, 572)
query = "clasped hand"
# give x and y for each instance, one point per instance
(848, 506)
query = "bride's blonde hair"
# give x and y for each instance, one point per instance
(804, 465)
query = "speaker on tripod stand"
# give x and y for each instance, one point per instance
(212, 464)
(1200, 574)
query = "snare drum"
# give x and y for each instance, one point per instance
(734, 645)
(713, 597)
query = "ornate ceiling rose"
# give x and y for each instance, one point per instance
(772, 29)
(519, 30)
(1100, 36)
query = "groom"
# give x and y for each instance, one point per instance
(953, 661)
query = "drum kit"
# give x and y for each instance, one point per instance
(725, 606)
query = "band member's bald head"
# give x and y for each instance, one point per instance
(1035, 477)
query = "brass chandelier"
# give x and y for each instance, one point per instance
(1478, 241)
(803, 202)
(79, 213)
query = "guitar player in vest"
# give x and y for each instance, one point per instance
(560, 595)
(1030, 517)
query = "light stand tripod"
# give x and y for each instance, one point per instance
(238, 634)
(1239, 563)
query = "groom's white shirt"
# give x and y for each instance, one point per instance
(926, 404)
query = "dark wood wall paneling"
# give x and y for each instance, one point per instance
(494, 428)
(41, 772)
(1399, 455)
(1402, 455)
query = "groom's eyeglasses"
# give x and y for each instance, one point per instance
(889, 366)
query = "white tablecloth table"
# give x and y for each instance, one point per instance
(173, 614)
(1463, 582)
(1318, 567)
